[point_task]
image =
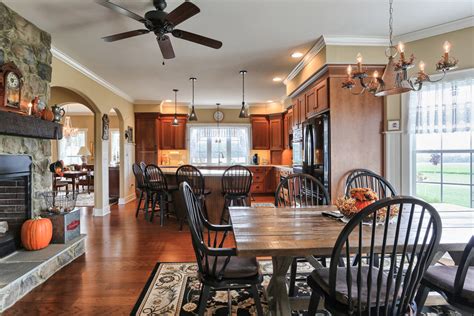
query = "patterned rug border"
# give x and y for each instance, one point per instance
(147, 286)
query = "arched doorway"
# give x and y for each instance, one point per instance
(67, 97)
(117, 156)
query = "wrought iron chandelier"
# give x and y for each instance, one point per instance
(192, 115)
(395, 78)
(68, 130)
(243, 110)
(175, 120)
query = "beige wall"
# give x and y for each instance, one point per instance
(310, 69)
(101, 100)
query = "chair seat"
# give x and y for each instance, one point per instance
(443, 277)
(320, 278)
(237, 268)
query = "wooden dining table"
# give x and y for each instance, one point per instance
(74, 176)
(285, 233)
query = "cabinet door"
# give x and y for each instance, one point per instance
(167, 134)
(290, 121)
(322, 95)
(310, 101)
(302, 110)
(145, 133)
(260, 131)
(180, 135)
(276, 134)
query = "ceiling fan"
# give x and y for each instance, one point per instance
(162, 23)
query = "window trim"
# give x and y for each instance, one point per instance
(225, 125)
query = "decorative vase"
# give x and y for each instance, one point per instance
(36, 233)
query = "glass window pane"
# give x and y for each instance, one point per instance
(428, 167)
(458, 140)
(69, 147)
(456, 168)
(457, 194)
(429, 192)
(428, 141)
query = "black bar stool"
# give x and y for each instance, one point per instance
(141, 187)
(236, 183)
(192, 175)
(159, 190)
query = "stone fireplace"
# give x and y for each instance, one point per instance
(15, 199)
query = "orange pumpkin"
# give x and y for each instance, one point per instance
(36, 233)
(361, 204)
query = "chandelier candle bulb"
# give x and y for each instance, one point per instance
(359, 62)
(421, 66)
(349, 72)
(401, 49)
(447, 48)
(30, 105)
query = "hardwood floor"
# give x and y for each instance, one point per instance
(121, 251)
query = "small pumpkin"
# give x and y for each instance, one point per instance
(36, 233)
(362, 204)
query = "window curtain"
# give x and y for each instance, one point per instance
(442, 107)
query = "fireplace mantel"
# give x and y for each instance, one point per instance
(15, 124)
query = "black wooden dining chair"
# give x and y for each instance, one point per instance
(373, 181)
(356, 172)
(409, 245)
(192, 175)
(300, 190)
(143, 165)
(139, 174)
(218, 266)
(159, 190)
(454, 283)
(236, 183)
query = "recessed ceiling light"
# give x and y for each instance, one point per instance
(168, 101)
(269, 101)
(277, 79)
(297, 55)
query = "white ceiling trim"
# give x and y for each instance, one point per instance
(308, 57)
(356, 41)
(88, 73)
(436, 30)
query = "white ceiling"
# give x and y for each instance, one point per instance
(257, 35)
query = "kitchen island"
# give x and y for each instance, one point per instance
(265, 180)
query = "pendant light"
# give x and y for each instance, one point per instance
(175, 120)
(218, 140)
(192, 115)
(243, 110)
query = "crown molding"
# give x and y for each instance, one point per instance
(88, 73)
(436, 30)
(308, 57)
(356, 40)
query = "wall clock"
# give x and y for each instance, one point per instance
(11, 81)
(218, 116)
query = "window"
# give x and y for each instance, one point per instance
(211, 145)
(114, 147)
(441, 117)
(69, 147)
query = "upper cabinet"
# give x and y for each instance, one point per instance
(276, 132)
(317, 98)
(260, 132)
(173, 137)
(147, 126)
(289, 115)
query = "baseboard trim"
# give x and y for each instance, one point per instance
(101, 211)
(127, 199)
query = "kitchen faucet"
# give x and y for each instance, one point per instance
(221, 155)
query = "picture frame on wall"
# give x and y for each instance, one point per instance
(129, 134)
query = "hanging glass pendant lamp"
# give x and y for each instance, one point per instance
(175, 120)
(243, 110)
(192, 115)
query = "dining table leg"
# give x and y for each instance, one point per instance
(277, 290)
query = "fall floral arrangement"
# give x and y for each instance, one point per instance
(359, 199)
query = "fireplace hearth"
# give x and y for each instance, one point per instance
(15, 199)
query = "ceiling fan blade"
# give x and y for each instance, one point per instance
(199, 39)
(182, 13)
(166, 47)
(121, 10)
(120, 36)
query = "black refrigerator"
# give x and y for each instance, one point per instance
(316, 147)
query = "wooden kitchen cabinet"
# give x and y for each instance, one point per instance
(260, 132)
(276, 132)
(317, 98)
(147, 127)
(173, 137)
(286, 132)
(299, 111)
(289, 115)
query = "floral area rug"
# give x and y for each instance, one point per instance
(85, 199)
(174, 289)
